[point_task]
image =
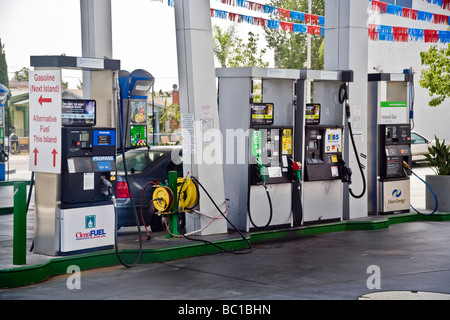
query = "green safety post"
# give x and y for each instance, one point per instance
(20, 223)
(172, 218)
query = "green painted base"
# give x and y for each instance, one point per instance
(22, 276)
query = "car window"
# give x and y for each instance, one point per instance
(138, 160)
(415, 138)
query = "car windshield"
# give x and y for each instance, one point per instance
(416, 139)
(138, 160)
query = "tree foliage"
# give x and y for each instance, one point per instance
(233, 52)
(436, 77)
(223, 43)
(21, 75)
(439, 158)
(5, 81)
(291, 48)
(247, 54)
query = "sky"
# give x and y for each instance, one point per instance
(143, 35)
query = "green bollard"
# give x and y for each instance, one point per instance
(20, 223)
(172, 218)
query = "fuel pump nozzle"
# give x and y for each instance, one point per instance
(297, 168)
(107, 187)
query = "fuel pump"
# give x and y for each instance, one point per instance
(256, 108)
(74, 186)
(270, 163)
(134, 89)
(394, 153)
(390, 118)
(4, 92)
(88, 177)
(319, 143)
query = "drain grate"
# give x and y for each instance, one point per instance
(405, 295)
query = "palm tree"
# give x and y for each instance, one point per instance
(223, 42)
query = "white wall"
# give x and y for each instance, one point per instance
(393, 57)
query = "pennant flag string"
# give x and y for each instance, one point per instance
(375, 32)
(268, 23)
(282, 13)
(402, 34)
(444, 4)
(383, 7)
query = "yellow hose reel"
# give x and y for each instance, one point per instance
(164, 199)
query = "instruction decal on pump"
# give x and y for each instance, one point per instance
(286, 142)
(333, 140)
(104, 138)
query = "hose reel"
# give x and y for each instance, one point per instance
(187, 197)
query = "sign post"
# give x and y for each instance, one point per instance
(45, 121)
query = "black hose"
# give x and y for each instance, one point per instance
(226, 218)
(359, 166)
(270, 213)
(343, 99)
(123, 140)
(298, 210)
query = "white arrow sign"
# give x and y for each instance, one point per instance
(45, 121)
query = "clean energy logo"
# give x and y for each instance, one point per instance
(397, 193)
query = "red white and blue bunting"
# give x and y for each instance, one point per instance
(444, 4)
(383, 7)
(402, 34)
(268, 23)
(313, 24)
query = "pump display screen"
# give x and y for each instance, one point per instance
(312, 145)
(78, 112)
(84, 136)
(138, 136)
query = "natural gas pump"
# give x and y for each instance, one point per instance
(391, 110)
(134, 89)
(394, 152)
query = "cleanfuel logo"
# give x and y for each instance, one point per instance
(396, 194)
(89, 222)
(90, 225)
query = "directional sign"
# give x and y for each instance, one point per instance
(45, 121)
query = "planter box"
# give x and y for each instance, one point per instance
(441, 187)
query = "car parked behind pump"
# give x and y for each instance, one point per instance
(419, 146)
(144, 165)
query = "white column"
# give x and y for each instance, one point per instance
(96, 39)
(198, 97)
(346, 48)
